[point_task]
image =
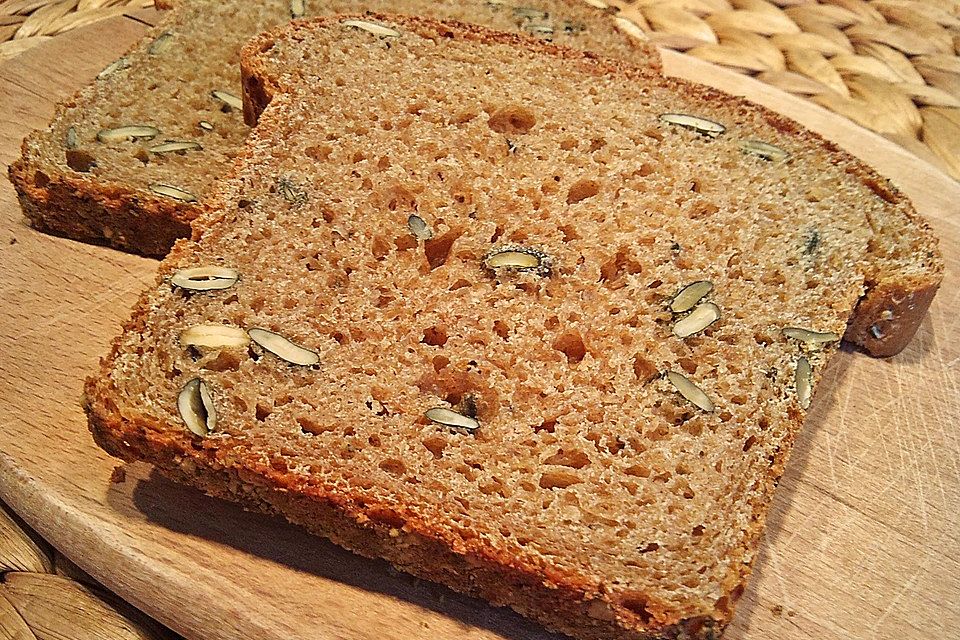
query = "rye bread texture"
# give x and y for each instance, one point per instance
(91, 178)
(448, 321)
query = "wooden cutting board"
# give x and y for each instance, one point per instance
(863, 539)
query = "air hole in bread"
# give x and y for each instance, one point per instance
(573, 459)
(77, 159)
(513, 119)
(582, 190)
(622, 263)
(437, 250)
(638, 470)
(309, 426)
(643, 369)
(549, 426)
(558, 479)
(435, 336)
(440, 363)
(380, 247)
(637, 604)
(569, 232)
(393, 466)
(571, 345)
(435, 445)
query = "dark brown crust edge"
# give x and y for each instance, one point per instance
(559, 602)
(888, 317)
(892, 308)
(103, 213)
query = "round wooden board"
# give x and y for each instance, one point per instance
(863, 539)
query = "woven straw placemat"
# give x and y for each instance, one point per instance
(890, 65)
(44, 596)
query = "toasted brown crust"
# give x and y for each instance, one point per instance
(99, 213)
(889, 315)
(566, 603)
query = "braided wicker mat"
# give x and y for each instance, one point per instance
(44, 596)
(888, 65)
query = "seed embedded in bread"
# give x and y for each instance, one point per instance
(764, 150)
(175, 146)
(690, 391)
(630, 28)
(128, 133)
(70, 140)
(803, 380)
(418, 227)
(214, 336)
(291, 192)
(228, 99)
(284, 348)
(697, 320)
(815, 339)
(163, 43)
(205, 278)
(703, 126)
(196, 407)
(171, 191)
(297, 8)
(372, 27)
(450, 418)
(518, 258)
(113, 67)
(690, 295)
(205, 125)
(544, 31)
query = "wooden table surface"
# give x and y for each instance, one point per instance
(864, 534)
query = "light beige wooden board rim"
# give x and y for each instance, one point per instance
(864, 535)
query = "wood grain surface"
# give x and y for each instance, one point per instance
(863, 539)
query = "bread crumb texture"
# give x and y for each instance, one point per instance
(368, 222)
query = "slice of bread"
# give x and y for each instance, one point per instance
(85, 179)
(452, 310)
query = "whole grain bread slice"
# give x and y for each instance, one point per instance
(514, 317)
(92, 178)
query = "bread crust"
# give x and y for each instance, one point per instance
(562, 602)
(98, 212)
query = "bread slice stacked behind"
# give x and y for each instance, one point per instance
(519, 319)
(132, 158)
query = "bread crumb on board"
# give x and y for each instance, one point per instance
(119, 474)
